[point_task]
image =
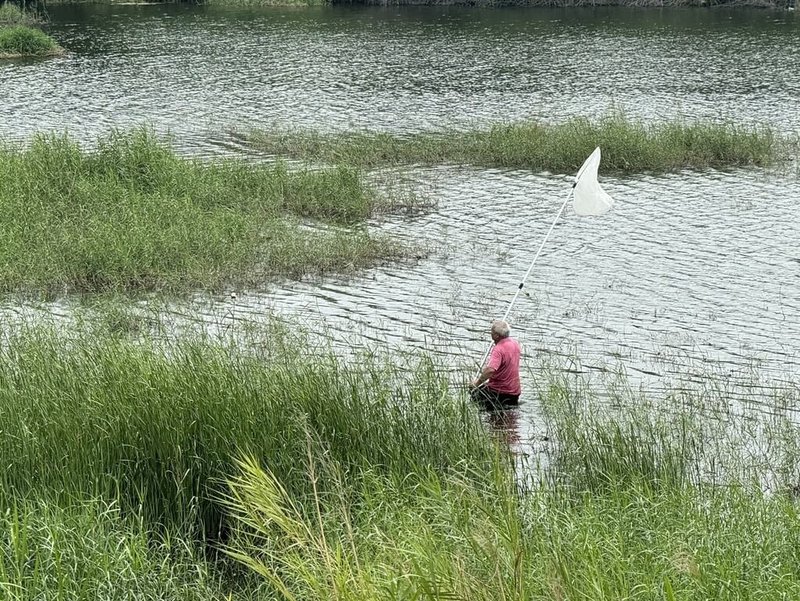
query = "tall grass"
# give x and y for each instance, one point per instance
(157, 429)
(625, 510)
(259, 3)
(627, 146)
(374, 480)
(91, 551)
(131, 215)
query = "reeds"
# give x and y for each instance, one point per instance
(131, 215)
(10, 14)
(628, 146)
(158, 429)
(374, 479)
(92, 551)
(626, 509)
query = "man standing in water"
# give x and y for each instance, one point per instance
(501, 371)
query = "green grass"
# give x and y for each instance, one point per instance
(91, 551)
(131, 215)
(260, 3)
(626, 509)
(157, 429)
(21, 40)
(628, 146)
(117, 450)
(130, 461)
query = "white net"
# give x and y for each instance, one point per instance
(589, 198)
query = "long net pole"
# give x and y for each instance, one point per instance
(530, 268)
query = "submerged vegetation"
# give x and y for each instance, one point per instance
(131, 215)
(627, 146)
(201, 469)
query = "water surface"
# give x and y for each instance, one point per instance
(692, 273)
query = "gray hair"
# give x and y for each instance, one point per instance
(501, 328)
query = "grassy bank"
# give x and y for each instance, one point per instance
(21, 40)
(628, 146)
(129, 464)
(131, 215)
(779, 4)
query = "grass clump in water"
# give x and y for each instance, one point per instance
(132, 215)
(21, 40)
(627, 146)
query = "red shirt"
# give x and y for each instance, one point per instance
(505, 361)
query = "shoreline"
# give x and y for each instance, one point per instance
(49, 54)
(783, 5)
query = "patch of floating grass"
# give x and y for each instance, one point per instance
(21, 40)
(131, 215)
(628, 146)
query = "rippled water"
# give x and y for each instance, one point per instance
(192, 69)
(692, 273)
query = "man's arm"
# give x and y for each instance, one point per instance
(486, 373)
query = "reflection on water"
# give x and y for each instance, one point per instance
(505, 423)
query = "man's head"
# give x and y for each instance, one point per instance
(500, 330)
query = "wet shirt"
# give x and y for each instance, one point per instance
(505, 361)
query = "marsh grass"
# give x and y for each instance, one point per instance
(91, 551)
(131, 215)
(627, 509)
(21, 40)
(374, 479)
(627, 146)
(258, 3)
(156, 429)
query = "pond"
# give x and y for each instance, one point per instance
(692, 274)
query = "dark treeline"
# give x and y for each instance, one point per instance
(40, 6)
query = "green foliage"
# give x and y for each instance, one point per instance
(627, 510)
(22, 40)
(372, 480)
(259, 3)
(91, 551)
(627, 146)
(132, 215)
(157, 429)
